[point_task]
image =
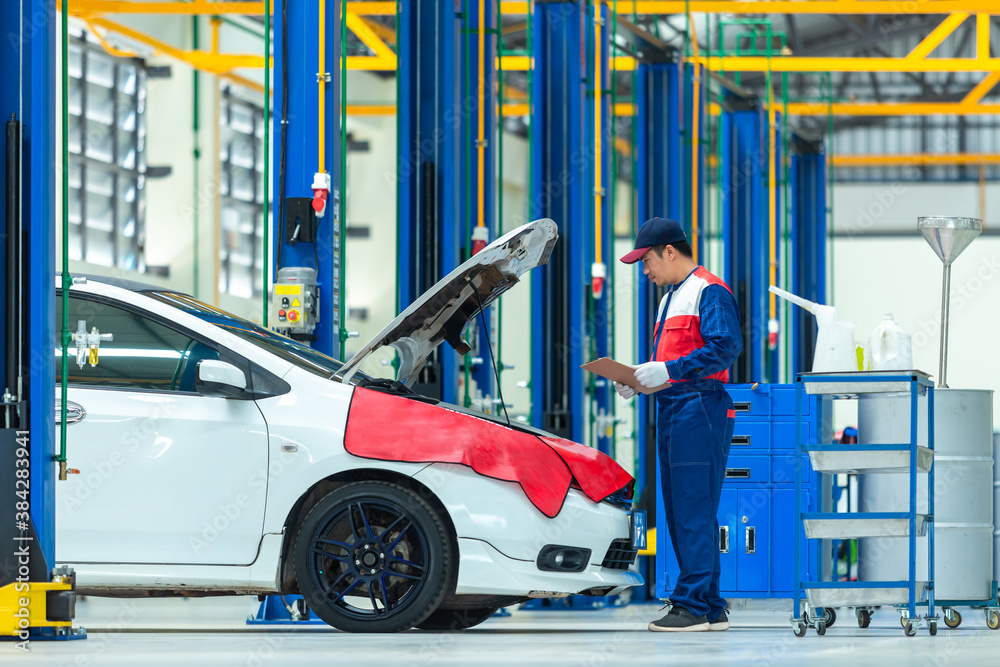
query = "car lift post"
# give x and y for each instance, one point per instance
(298, 147)
(563, 155)
(809, 234)
(743, 133)
(305, 145)
(429, 181)
(33, 605)
(478, 128)
(658, 193)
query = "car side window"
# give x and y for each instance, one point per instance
(144, 354)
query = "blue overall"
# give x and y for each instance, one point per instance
(694, 428)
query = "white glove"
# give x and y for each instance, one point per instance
(652, 374)
(624, 390)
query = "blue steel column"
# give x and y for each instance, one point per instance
(560, 153)
(658, 190)
(28, 94)
(302, 137)
(772, 357)
(430, 116)
(599, 316)
(482, 372)
(808, 237)
(744, 227)
(688, 171)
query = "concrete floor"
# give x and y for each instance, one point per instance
(191, 633)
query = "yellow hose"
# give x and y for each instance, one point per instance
(695, 145)
(597, 132)
(481, 143)
(772, 242)
(216, 23)
(321, 83)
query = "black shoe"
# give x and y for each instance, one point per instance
(720, 623)
(679, 619)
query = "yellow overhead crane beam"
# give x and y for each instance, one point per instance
(892, 109)
(779, 6)
(206, 7)
(385, 59)
(916, 160)
(792, 64)
(794, 109)
(216, 63)
(375, 37)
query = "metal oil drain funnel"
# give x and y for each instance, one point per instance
(948, 237)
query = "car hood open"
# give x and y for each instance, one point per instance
(442, 312)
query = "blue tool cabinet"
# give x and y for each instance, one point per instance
(757, 510)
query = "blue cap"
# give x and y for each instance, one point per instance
(657, 231)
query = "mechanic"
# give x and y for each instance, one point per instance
(695, 340)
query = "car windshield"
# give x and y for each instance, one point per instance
(290, 350)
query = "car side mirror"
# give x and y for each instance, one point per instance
(220, 378)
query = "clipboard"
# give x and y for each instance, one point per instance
(620, 373)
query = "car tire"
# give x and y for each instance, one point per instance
(456, 619)
(373, 557)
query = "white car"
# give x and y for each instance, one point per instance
(216, 457)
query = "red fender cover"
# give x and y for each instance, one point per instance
(392, 428)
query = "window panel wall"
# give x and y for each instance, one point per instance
(107, 97)
(241, 194)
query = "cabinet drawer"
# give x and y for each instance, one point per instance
(763, 469)
(749, 469)
(769, 400)
(762, 435)
(783, 469)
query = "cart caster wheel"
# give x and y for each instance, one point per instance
(932, 627)
(909, 629)
(992, 619)
(820, 628)
(799, 629)
(902, 621)
(864, 618)
(952, 618)
(829, 616)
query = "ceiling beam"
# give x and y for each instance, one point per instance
(826, 7)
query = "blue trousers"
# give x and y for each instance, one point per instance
(694, 430)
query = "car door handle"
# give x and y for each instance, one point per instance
(74, 412)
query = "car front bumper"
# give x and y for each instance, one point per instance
(500, 534)
(485, 571)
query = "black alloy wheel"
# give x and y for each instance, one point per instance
(373, 557)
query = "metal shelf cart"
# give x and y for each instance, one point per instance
(904, 458)
(990, 606)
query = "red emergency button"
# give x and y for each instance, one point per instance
(293, 315)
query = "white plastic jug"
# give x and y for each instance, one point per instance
(835, 349)
(890, 347)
